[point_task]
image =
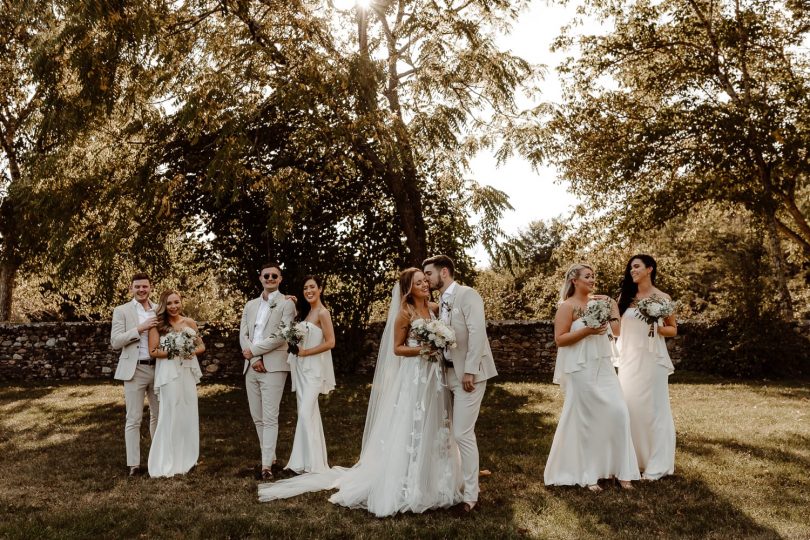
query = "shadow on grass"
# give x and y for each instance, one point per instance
(71, 472)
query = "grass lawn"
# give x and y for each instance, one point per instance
(741, 469)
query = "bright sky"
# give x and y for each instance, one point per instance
(535, 195)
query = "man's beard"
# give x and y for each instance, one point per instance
(439, 285)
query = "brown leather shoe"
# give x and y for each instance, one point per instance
(267, 474)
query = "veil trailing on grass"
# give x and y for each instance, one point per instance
(355, 482)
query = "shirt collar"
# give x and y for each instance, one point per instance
(139, 305)
(449, 291)
(270, 297)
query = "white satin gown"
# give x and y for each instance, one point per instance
(311, 376)
(644, 368)
(592, 440)
(176, 444)
(409, 462)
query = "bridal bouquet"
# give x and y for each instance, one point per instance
(433, 335)
(653, 308)
(179, 345)
(292, 333)
(597, 313)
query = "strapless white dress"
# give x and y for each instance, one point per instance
(311, 376)
(592, 440)
(176, 444)
(644, 377)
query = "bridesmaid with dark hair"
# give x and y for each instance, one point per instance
(312, 375)
(644, 370)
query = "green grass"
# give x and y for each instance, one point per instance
(741, 469)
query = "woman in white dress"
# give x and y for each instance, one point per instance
(409, 461)
(176, 444)
(592, 440)
(312, 375)
(644, 369)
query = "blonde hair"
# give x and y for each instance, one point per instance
(567, 289)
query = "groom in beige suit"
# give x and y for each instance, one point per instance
(469, 365)
(265, 357)
(136, 367)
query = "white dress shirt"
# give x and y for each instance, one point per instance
(262, 314)
(143, 314)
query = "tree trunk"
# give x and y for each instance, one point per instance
(784, 302)
(8, 275)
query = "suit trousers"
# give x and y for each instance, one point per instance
(264, 392)
(141, 384)
(466, 406)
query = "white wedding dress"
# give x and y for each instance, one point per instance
(409, 461)
(644, 377)
(176, 444)
(311, 376)
(593, 439)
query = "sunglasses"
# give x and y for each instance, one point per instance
(268, 276)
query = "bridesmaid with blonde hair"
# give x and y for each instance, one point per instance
(592, 440)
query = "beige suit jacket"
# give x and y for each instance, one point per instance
(273, 351)
(472, 353)
(124, 336)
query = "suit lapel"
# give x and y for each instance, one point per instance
(252, 311)
(132, 315)
(270, 310)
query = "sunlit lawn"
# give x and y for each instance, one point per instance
(742, 469)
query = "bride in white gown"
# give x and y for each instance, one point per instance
(176, 444)
(409, 461)
(592, 440)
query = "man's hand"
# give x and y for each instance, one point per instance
(247, 353)
(150, 322)
(258, 367)
(468, 382)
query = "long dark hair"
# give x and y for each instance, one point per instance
(629, 289)
(163, 324)
(304, 305)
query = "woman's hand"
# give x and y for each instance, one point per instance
(597, 331)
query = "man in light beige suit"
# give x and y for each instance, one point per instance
(265, 356)
(136, 367)
(463, 309)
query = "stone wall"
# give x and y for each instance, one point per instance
(63, 351)
(69, 351)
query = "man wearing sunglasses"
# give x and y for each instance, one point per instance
(265, 357)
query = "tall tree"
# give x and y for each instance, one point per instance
(686, 101)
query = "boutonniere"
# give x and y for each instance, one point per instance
(273, 304)
(448, 304)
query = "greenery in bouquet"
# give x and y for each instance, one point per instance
(434, 336)
(653, 308)
(292, 333)
(179, 345)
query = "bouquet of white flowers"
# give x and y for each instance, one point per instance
(652, 308)
(433, 335)
(292, 333)
(179, 345)
(597, 313)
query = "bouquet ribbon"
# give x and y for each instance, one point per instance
(653, 335)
